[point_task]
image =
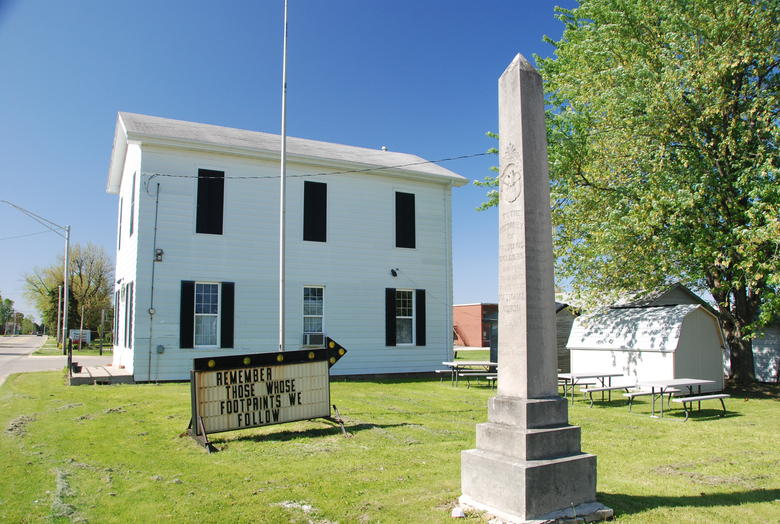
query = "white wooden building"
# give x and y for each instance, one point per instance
(368, 249)
(650, 343)
(766, 347)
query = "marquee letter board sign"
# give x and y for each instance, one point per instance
(248, 391)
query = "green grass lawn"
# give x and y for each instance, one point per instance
(474, 354)
(114, 454)
(50, 348)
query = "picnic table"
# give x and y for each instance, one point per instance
(473, 367)
(570, 380)
(658, 388)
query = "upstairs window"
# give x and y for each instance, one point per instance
(404, 220)
(132, 207)
(119, 228)
(211, 201)
(315, 211)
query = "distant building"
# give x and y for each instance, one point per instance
(476, 325)
(368, 249)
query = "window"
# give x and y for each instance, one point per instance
(119, 229)
(404, 317)
(313, 310)
(206, 314)
(315, 211)
(116, 318)
(128, 333)
(404, 220)
(132, 207)
(211, 200)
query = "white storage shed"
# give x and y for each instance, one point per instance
(650, 343)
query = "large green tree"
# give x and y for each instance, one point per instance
(663, 147)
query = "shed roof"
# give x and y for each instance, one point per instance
(166, 131)
(640, 329)
(674, 294)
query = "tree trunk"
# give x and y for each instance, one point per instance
(741, 350)
(737, 310)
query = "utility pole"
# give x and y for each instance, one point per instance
(59, 312)
(66, 278)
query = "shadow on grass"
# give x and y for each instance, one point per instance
(703, 415)
(630, 504)
(282, 436)
(677, 412)
(757, 391)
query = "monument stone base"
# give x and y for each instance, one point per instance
(528, 465)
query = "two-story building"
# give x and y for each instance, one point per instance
(368, 249)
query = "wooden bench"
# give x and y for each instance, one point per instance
(590, 391)
(468, 374)
(685, 401)
(631, 394)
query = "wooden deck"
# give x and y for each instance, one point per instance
(101, 375)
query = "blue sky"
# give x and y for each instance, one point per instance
(417, 76)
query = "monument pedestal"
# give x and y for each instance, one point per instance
(528, 465)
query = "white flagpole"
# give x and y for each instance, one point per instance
(282, 184)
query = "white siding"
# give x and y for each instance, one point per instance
(766, 354)
(636, 366)
(127, 252)
(353, 265)
(700, 351)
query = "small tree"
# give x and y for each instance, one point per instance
(90, 286)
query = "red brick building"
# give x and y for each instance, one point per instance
(472, 324)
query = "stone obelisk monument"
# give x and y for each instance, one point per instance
(528, 465)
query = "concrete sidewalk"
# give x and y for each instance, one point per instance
(30, 364)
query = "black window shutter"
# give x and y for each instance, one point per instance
(404, 220)
(227, 311)
(389, 316)
(119, 233)
(187, 314)
(420, 317)
(315, 211)
(211, 201)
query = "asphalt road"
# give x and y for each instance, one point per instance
(15, 357)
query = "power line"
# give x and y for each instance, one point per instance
(328, 173)
(26, 235)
